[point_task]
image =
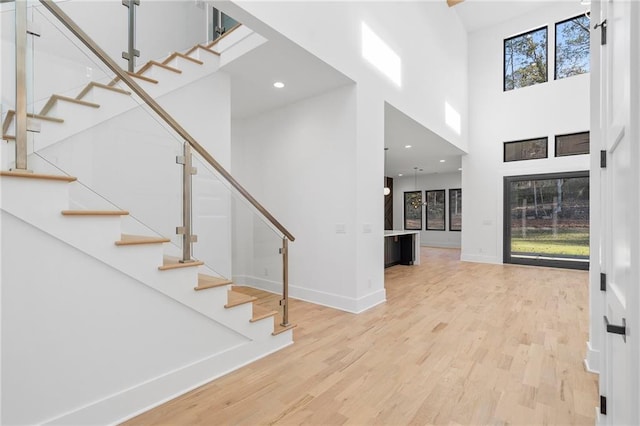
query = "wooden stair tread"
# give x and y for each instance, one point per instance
(150, 64)
(130, 240)
(203, 47)
(279, 328)
(260, 312)
(11, 113)
(207, 281)
(235, 299)
(55, 98)
(22, 174)
(93, 84)
(95, 212)
(183, 56)
(134, 75)
(8, 137)
(170, 262)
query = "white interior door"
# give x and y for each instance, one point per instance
(620, 224)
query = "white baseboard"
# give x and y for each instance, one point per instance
(601, 419)
(131, 402)
(371, 300)
(477, 258)
(592, 361)
(331, 300)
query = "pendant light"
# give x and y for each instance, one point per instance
(387, 190)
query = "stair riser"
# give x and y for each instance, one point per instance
(188, 67)
(33, 199)
(76, 119)
(239, 317)
(201, 301)
(209, 59)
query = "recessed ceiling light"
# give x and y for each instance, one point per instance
(460, 168)
(399, 174)
(278, 85)
(442, 161)
(407, 146)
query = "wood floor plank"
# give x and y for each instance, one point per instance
(456, 343)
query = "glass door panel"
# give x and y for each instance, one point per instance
(547, 220)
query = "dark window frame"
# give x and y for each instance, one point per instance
(555, 146)
(504, 149)
(444, 209)
(451, 191)
(419, 228)
(555, 48)
(504, 52)
(506, 223)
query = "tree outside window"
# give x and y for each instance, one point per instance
(525, 59)
(572, 47)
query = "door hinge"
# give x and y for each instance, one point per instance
(603, 31)
(617, 329)
(603, 159)
(603, 405)
(603, 281)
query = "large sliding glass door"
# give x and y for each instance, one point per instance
(546, 220)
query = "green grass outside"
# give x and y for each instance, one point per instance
(568, 242)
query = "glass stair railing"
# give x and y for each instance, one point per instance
(97, 122)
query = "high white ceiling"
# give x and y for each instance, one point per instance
(278, 59)
(478, 14)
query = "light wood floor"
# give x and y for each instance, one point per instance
(456, 343)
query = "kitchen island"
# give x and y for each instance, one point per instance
(401, 247)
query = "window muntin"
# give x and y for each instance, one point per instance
(572, 144)
(525, 59)
(529, 149)
(572, 47)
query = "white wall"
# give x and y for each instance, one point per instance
(427, 183)
(75, 336)
(299, 162)
(555, 107)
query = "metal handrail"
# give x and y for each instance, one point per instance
(113, 66)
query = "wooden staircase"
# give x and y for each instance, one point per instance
(205, 282)
(140, 74)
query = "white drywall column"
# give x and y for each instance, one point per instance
(369, 199)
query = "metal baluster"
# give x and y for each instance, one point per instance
(131, 53)
(285, 282)
(187, 197)
(21, 85)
